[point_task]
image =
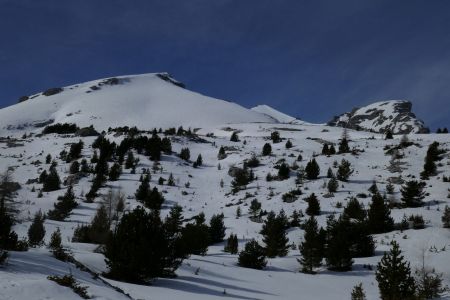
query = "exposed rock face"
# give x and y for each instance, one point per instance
(395, 115)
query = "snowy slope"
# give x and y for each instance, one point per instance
(276, 115)
(395, 115)
(144, 100)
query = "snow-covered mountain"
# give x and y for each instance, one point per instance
(148, 100)
(276, 115)
(395, 115)
(157, 100)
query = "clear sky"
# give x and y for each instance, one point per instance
(311, 59)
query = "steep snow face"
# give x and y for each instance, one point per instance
(395, 115)
(146, 101)
(276, 115)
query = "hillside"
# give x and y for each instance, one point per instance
(149, 102)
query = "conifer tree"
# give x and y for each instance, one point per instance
(343, 146)
(288, 144)
(344, 170)
(330, 173)
(143, 190)
(99, 227)
(253, 256)
(255, 208)
(354, 210)
(274, 236)
(185, 154)
(283, 171)
(129, 162)
(313, 208)
(48, 159)
(232, 244)
(267, 149)
(390, 188)
(195, 237)
(115, 171)
(358, 292)
(275, 137)
(311, 248)
(312, 169)
(55, 240)
(325, 150)
(74, 167)
(412, 193)
(64, 206)
(332, 185)
(174, 220)
(331, 150)
(171, 180)
(393, 275)
(389, 135)
(51, 181)
(36, 231)
(446, 217)
(373, 188)
(234, 137)
(338, 252)
(152, 255)
(379, 218)
(221, 154)
(216, 229)
(154, 200)
(199, 160)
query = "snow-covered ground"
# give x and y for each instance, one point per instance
(215, 275)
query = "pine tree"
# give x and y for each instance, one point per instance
(195, 237)
(275, 137)
(379, 218)
(115, 171)
(234, 137)
(267, 149)
(389, 135)
(253, 256)
(52, 181)
(313, 208)
(332, 185)
(354, 210)
(311, 248)
(153, 253)
(445, 130)
(373, 188)
(338, 252)
(129, 162)
(288, 144)
(221, 155)
(312, 169)
(36, 231)
(99, 227)
(413, 194)
(274, 236)
(171, 180)
(394, 276)
(325, 150)
(283, 171)
(232, 244)
(74, 167)
(174, 220)
(143, 190)
(64, 206)
(48, 159)
(255, 208)
(331, 150)
(185, 154)
(330, 173)
(343, 146)
(216, 229)
(199, 160)
(238, 212)
(358, 292)
(390, 188)
(446, 217)
(154, 200)
(344, 170)
(55, 240)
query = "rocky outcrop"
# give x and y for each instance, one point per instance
(395, 115)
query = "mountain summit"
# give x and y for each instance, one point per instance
(146, 101)
(395, 115)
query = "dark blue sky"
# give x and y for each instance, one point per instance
(311, 59)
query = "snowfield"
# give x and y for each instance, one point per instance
(147, 101)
